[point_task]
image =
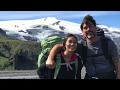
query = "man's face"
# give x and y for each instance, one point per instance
(89, 31)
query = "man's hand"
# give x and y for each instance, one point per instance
(50, 63)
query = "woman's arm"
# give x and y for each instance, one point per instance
(50, 63)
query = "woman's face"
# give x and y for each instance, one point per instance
(71, 44)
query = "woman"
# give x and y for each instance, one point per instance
(68, 63)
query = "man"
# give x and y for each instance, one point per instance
(97, 67)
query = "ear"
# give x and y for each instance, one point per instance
(96, 28)
(83, 35)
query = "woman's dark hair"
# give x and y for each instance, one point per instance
(66, 37)
(88, 19)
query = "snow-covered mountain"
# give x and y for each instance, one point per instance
(39, 29)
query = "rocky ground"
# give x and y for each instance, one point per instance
(23, 74)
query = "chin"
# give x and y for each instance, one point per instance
(90, 37)
(71, 50)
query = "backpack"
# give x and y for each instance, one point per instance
(46, 46)
(100, 32)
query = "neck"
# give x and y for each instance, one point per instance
(67, 55)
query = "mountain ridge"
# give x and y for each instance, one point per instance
(38, 29)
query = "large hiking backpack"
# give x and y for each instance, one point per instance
(46, 46)
(100, 32)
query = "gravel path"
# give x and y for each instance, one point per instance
(23, 74)
(19, 74)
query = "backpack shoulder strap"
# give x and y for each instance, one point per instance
(58, 66)
(104, 43)
(42, 56)
(76, 64)
(83, 50)
(79, 61)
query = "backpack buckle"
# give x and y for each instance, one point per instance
(95, 78)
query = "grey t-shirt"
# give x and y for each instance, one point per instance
(99, 64)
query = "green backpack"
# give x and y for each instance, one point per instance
(46, 46)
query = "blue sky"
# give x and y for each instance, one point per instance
(109, 18)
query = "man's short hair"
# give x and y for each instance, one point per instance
(88, 19)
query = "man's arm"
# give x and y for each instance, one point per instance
(115, 57)
(50, 63)
(117, 66)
